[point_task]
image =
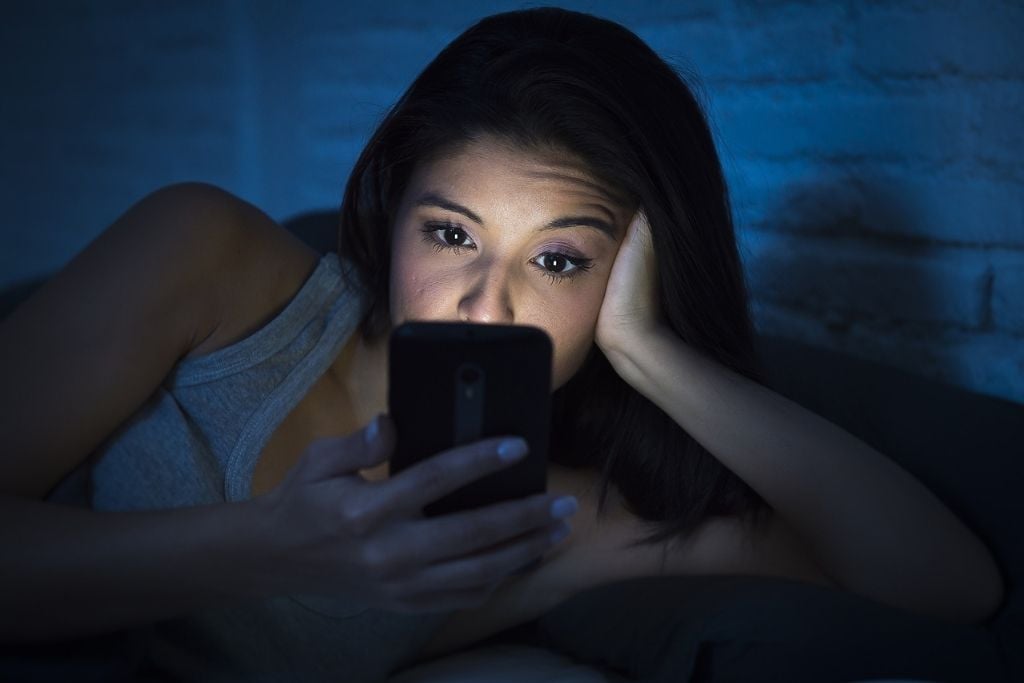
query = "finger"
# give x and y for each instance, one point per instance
(338, 456)
(436, 539)
(483, 569)
(640, 230)
(407, 492)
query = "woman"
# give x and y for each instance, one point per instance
(547, 168)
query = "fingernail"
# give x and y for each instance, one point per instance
(511, 450)
(563, 507)
(372, 430)
(559, 534)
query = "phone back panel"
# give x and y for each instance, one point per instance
(454, 383)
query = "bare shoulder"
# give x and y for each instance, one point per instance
(243, 265)
(264, 269)
(188, 264)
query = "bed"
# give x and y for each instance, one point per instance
(968, 448)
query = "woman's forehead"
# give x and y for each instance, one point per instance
(489, 161)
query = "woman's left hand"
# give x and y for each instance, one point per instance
(631, 311)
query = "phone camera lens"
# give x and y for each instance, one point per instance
(470, 375)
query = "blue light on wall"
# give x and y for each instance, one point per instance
(872, 150)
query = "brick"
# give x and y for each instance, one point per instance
(988, 363)
(798, 43)
(708, 49)
(778, 320)
(796, 196)
(49, 235)
(345, 109)
(661, 10)
(810, 123)
(399, 54)
(131, 44)
(462, 13)
(1008, 294)
(880, 199)
(903, 43)
(329, 170)
(947, 208)
(851, 281)
(997, 135)
(404, 13)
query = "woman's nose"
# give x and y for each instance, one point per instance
(487, 300)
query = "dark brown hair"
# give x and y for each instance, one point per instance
(546, 79)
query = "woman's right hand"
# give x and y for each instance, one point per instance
(335, 533)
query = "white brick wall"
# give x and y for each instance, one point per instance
(873, 149)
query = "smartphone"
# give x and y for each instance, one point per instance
(453, 383)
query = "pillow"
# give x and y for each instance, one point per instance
(731, 628)
(965, 447)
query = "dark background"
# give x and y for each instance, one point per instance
(873, 149)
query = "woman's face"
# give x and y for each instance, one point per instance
(493, 235)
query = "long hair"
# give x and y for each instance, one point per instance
(549, 78)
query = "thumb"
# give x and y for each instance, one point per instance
(346, 455)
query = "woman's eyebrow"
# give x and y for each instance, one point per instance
(440, 202)
(434, 199)
(582, 221)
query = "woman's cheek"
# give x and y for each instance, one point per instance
(574, 338)
(576, 354)
(408, 291)
(423, 294)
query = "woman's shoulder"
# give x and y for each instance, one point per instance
(263, 271)
(187, 266)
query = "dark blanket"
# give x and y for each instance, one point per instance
(719, 628)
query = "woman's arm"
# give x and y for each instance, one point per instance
(874, 529)
(599, 552)
(77, 359)
(69, 572)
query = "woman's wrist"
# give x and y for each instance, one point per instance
(635, 358)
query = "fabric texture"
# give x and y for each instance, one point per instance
(196, 441)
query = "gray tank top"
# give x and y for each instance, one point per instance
(195, 441)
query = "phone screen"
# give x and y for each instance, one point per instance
(454, 383)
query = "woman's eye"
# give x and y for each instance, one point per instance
(554, 263)
(561, 266)
(444, 236)
(454, 236)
